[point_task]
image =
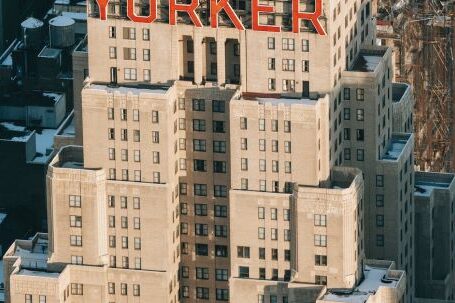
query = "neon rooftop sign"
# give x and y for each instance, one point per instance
(216, 6)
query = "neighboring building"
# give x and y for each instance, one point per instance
(227, 165)
(434, 198)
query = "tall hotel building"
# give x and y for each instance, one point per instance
(230, 165)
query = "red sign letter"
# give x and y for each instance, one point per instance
(255, 10)
(313, 17)
(102, 5)
(189, 9)
(216, 7)
(142, 19)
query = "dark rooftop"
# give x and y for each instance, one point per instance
(36, 98)
(398, 90)
(368, 60)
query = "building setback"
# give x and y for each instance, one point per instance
(226, 165)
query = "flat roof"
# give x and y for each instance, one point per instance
(367, 60)
(12, 132)
(33, 98)
(426, 182)
(396, 146)
(374, 277)
(398, 91)
(48, 52)
(131, 88)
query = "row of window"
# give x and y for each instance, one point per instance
(201, 190)
(288, 44)
(276, 187)
(124, 222)
(203, 293)
(244, 252)
(288, 65)
(244, 272)
(274, 234)
(124, 242)
(202, 273)
(123, 289)
(274, 214)
(203, 249)
(123, 202)
(124, 135)
(125, 262)
(203, 230)
(220, 211)
(135, 176)
(274, 125)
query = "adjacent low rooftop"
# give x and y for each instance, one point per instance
(426, 182)
(135, 88)
(396, 146)
(368, 60)
(374, 278)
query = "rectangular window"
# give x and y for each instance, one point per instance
(146, 34)
(243, 252)
(221, 231)
(199, 105)
(320, 260)
(271, 84)
(130, 74)
(271, 63)
(261, 233)
(75, 201)
(75, 240)
(271, 43)
(305, 45)
(129, 53)
(112, 52)
(380, 220)
(202, 273)
(222, 294)
(200, 209)
(75, 221)
(380, 240)
(218, 106)
(320, 240)
(288, 44)
(200, 189)
(199, 145)
(199, 125)
(288, 65)
(347, 94)
(146, 55)
(360, 154)
(360, 94)
(306, 66)
(220, 190)
(379, 180)
(77, 289)
(219, 126)
(219, 146)
(221, 211)
(379, 200)
(360, 114)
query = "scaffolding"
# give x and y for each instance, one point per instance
(424, 46)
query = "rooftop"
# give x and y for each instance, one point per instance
(69, 157)
(398, 91)
(276, 99)
(426, 182)
(48, 52)
(34, 98)
(396, 146)
(33, 252)
(368, 60)
(12, 132)
(374, 278)
(136, 89)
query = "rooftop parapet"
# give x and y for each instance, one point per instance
(400, 91)
(427, 182)
(32, 254)
(368, 59)
(133, 88)
(396, 146)
(379, 279)
(69, 157)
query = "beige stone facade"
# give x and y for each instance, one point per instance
(225, 165)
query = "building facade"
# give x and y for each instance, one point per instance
(232, 165)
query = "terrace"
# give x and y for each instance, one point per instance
(426, 182)
(395, 148)
(368, 60)
(376, 276)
